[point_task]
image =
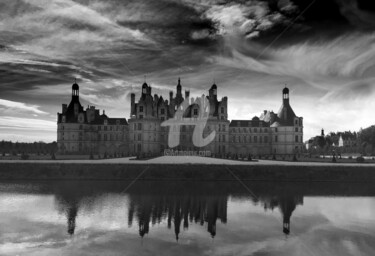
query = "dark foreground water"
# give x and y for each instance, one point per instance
(182, 218)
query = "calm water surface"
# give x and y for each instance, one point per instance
(176, 218)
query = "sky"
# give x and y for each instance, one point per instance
(323, 50)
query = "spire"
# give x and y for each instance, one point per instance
(179, 85)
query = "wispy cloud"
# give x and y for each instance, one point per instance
(19, 106)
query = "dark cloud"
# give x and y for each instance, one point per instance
(110, 45)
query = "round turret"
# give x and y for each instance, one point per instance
(75, 86)
(286, 90)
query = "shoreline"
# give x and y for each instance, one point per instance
(204, 170)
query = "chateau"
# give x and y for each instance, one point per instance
(156, 122)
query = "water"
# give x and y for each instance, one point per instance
(176, 218)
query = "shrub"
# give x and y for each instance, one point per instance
(360, 159)
(24, 156)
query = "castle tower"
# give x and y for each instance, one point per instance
(213, 92)
(75, 91)
(286, 96)
(179, 98)
(286, 114)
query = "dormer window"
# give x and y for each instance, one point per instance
(117, 122)
(140, 108)
(105, 122)
(81, 118)
(63, 119)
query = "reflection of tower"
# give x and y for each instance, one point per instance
(287, 206)
(177, 219)
(71, 215)
(177, 210)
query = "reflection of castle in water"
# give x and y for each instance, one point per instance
(180, 210)
(287, 204)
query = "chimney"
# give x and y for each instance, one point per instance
(64, 108)
(187, 94)
(170, 96)
(132, 106)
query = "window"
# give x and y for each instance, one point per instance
(140, 116)
(162, 111)
(276, 138)
(105, 128)
(222, 110)
(105, 136)
(296, 129)
(140, 108)
(296, 139)
(260, 139)
(111, 128)
(80, 127)
(255, 130)
(296, 122)
(265, 139)
(195, 111)
(99, 128)
(255, 139)
(139, 137)
(275, 129)
(139, 126)
(162, 118)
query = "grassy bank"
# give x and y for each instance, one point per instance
(68, 171)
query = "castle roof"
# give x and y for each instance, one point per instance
(286, 114)
(248, 123)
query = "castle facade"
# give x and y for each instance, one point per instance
(157, 124)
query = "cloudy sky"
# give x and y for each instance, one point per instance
(324, 50)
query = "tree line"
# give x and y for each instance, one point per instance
(353, 142)
(38, 148)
